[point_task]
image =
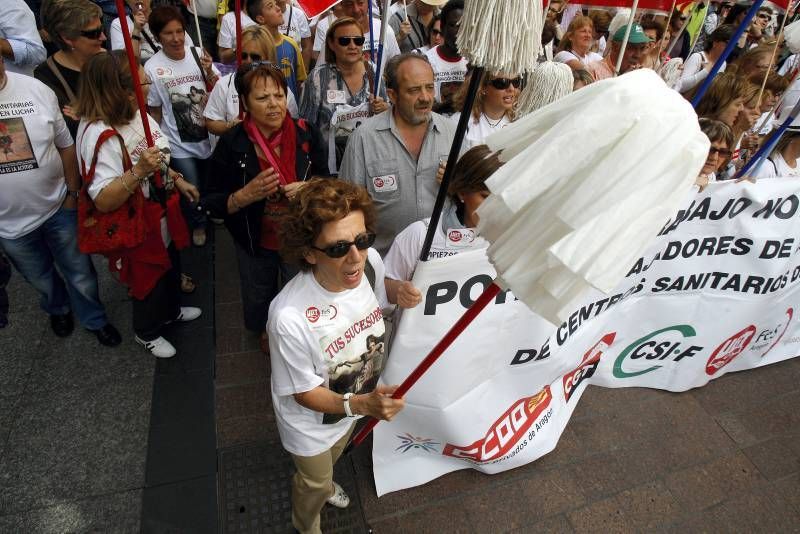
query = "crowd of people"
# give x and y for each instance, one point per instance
(322, 164)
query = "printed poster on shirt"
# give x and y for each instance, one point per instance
(344, 121)
(16, 151)
(717, 291)
(355, 353)
(188, 97)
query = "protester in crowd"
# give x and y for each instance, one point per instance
(719, 152)
(319, 387)
(745, 141)
(724, 99)
(226, 38)
(290, 57)
(76, 28)
(682, 46)
(396, 154)
(581, 78)
(222, 109)
(143, 41)
(548, 42)
(711, 23)
(324, 20)
(38, 222)
(123, 168)
(575, 47)
(338, 95)
(207, 20)
(412, 25)
(783, 161)
(456, 231)
(699, 64)
(493, 108)
(359, 10)
(631, 59)
(295, 25)
(109, 9)
(600, 22)
(449, 67)
(654, 56)
(20, 43)
(181, 81)
(434, 35)
(756, 34)
(754, 62)
(774, 88)
(258, 166)
(554, 13)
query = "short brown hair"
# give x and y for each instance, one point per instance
(393, 65)
(67, 18)
(161, 16)
(717, 131)
(246, 77)
(104, 89)
(320, 201)
(472, 170)
(724, 89)
(330, 55)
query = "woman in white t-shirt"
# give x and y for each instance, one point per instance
(182, 79)
(226, 38)
(326, 339)
(575, 47)
(456, 231)
(699, 64)
(151, 270)
(493, 109)
(222, 110)
(783, 161)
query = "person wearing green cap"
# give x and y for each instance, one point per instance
(631, 59)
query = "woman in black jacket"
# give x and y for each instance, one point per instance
(256, 168)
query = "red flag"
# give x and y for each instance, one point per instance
(654, 5)
(315, 7)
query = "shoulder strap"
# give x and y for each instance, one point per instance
(369, 271)
(199, 66)
(149, 40)
(67, 89)
(104, 136)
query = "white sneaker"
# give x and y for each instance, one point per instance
(188, 313)
(339, 499)
(159, 347)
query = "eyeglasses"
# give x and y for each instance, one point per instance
(251, 57)
(341, 248)
(345, 41)
(763, 16)
(92, 34)
(724, 152)
(503, 83)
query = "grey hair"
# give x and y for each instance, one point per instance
(394, 64)
(67, 18)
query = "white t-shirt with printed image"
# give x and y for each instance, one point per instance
(32, 129)
(446, 72)
(323, 338)
(299, 24)
(178, 88)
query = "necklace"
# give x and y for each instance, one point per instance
(492, 125)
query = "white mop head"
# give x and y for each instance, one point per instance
(502, 35)
(547, 83)
(589, 181)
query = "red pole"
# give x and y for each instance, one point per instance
(463, 322)
(238, 14)
(133, 63)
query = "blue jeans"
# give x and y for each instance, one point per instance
(55, 244)
(194, 172)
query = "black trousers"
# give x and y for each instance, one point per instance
(162, 304)
(262, 276)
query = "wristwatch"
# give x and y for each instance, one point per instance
(347, 410)
(73, 194)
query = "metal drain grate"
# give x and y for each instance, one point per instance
(256, 492)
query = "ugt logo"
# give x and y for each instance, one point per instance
(664, 344)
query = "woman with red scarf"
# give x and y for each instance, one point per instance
(257, 166)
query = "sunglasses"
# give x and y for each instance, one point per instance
(251, 57)
(503, 83)
(341, 248)
(724, 152)
(345, 41)
(763, 16)
(92, 34)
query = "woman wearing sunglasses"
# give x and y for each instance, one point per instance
(337, 96)
(222, 109)
(257, 168)
(76, 27)
(326, 337)
(435, 36)
(493, 108)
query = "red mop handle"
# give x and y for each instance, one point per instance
(137, 82)
(463, 322)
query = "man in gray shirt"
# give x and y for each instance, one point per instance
(395, 155)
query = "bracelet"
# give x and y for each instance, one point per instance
(138, 178)
(347, 410)
(233, 201)
(124, 184)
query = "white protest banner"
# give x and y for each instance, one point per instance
(717, 292)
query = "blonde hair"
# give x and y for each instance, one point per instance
(105, 89)
(261, 36)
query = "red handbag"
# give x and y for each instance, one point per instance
(115, 231)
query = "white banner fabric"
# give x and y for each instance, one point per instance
(717, 292)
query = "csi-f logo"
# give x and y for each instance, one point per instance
(729, 349)
(664, 344)
(588, 365)
(511, 428)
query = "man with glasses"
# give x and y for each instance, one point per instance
(326, 338)
(632, 58)
(396, 154)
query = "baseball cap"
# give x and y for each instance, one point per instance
(637, 35)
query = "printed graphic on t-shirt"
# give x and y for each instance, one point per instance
(345, 120)
(16, 151)
(188, 97)
(355, 362)
(450, 81)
